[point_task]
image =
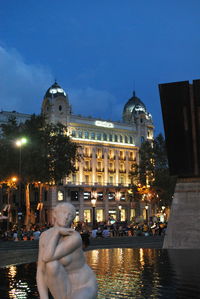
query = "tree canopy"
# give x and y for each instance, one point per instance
(153, 170)
(48, 156)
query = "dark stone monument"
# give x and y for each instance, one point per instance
(180, 102)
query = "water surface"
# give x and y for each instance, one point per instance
(122, 273)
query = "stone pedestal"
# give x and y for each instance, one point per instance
(183, 229)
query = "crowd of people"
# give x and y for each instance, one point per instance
(99, 230)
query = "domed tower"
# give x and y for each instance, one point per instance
(135, 112)
(55, 106)
(133, 108)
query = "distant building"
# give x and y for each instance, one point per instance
(108, 149)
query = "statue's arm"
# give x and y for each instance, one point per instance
(41, 285)
(69, 244)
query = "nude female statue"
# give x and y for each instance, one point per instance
(61, 263)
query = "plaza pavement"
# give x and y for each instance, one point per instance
(12, 253)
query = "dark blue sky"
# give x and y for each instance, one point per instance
(98, 50)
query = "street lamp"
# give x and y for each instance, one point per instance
(146, 208)
(93, 201)
(20, 143)
(120, 208)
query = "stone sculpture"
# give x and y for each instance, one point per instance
(62, 268)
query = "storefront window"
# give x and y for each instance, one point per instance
(112, 216)
(87, 216)
(60, 195)
(77, 217)
(123, 215)
(132, 215)
(99, 215)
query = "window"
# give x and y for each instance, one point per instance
(87, 165)
(99, 179)
(100, 196)
(121, 180)
(86, 135)
(87, 179)
(104, 137)
(77, 217)
(98, 136)
(86, 195)
(80, 134)
(123, 197)
(126, 139)
(131, 139)
(110, 137)
(92, 135)
(111, 196)
(73, 133)
(60, 195)
(99, 215)
(116, 138)
(74, 195)
(74, 178)
(132, 215)
(142, 139)
(123, 215)
(87, 216)
(111, 179)
(99, 153)
(121, 138)
(60, 108)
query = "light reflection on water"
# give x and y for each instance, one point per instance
(122, 273)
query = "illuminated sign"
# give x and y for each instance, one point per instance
(104, 124)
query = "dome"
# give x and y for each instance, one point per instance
(54, 91)
(133, 107)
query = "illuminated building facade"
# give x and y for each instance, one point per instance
(108, 150)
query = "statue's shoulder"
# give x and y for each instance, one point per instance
(45, 234)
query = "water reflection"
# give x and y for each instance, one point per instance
(122, 273)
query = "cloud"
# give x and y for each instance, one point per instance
(22, 85)
(95, 103)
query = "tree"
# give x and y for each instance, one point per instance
(47, 158)
(152, 175)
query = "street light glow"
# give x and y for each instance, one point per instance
(21, 141)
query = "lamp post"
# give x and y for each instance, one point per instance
(93, 201)
(120, 208)
(20, 143)
(146, 208)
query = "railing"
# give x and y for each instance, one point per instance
(111, 157)
(87, 155)
(87, 168)
(99, 156)
(100, 169)
(111, 170)
(122, 170)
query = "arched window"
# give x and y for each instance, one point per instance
(60, 107)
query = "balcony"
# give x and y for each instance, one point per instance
(122, 170)
(111, 157)
(99, 169)
(111, 170)
(87, 168)
(132, 159)
(87, 155)
(122, 158)
(99, 156)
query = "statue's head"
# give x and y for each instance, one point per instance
(64, 213)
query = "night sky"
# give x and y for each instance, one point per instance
(99, 51)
